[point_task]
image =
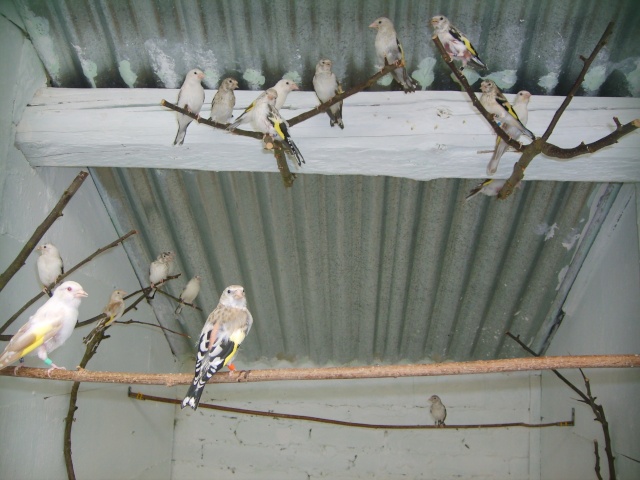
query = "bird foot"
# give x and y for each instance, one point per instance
(54, 367)
(231, 367)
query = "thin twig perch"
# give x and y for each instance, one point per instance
(540, 145)
(587, 398)
(20, 260)
(61, 278)
(288, 416)
(339, 373)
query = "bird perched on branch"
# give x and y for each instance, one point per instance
(190, 292)
(490, 187)
(511, 128)
(48, 328)
(455, 42)
(265, 118)
(437, 410)
(223, 101)
(326, 87)
(49, 265)
(222, 334)
(191, 98)
(113, 311)
(283, 87)
(389, 51)
(494, 101)
(159, 269)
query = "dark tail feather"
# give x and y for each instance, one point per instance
(192, 398)
(295, 151)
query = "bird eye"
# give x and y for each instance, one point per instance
(441, 18)
(69, 288)
(229, 291)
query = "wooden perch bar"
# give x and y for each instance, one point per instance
(339, 373)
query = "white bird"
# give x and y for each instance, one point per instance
(223, 101)
(48, 328)
(160, 268)
(191, 98)
(326, 87)
(389, 51)
(190, 292)
(49, 265)
(283, 87)
(222, 334)
(437, 410)
(494, 101)
(455, 42)
(521, 107)
(113, 311)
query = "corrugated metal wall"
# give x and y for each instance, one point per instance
(343, 269)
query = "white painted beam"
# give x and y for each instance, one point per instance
(423, 135)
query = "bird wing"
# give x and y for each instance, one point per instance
(457, 34)
(31, 335)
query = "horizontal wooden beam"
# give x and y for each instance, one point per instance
(424, 135)
(338, 373)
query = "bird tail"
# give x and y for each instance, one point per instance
(192, 399)
(476, 190)
(295, 150)
(179, 140)
(501, 147)
(178, 309)
(476, 59)
(404, 79)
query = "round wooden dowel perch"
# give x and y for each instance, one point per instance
(338, 373)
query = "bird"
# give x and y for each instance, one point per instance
(49, 265)
(326, 87)
(222, 334)
(113, 311)
(490, 187)
(191, 98)
(190, 292)
(265, 118)
(48, 328)
(494, 101)
(455, 42)
(521, 108)
(223, 101)
(283, 87)
(390, 51)
(438, 410)
(159, 269)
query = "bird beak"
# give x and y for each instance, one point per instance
(201, 76)
(294, 87)
(239, 294)
(81, 293)
(373, 25)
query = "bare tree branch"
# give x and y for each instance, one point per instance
(62, 277)
(288, 416)
(20, 260)
(590, 400)
(540, 145)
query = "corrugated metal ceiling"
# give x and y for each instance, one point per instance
(357, 269)
(345, 269)
(533, 45)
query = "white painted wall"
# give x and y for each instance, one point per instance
(602, 317)
(113, 436)
(214, 444)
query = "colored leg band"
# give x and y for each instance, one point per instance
(47, 361)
